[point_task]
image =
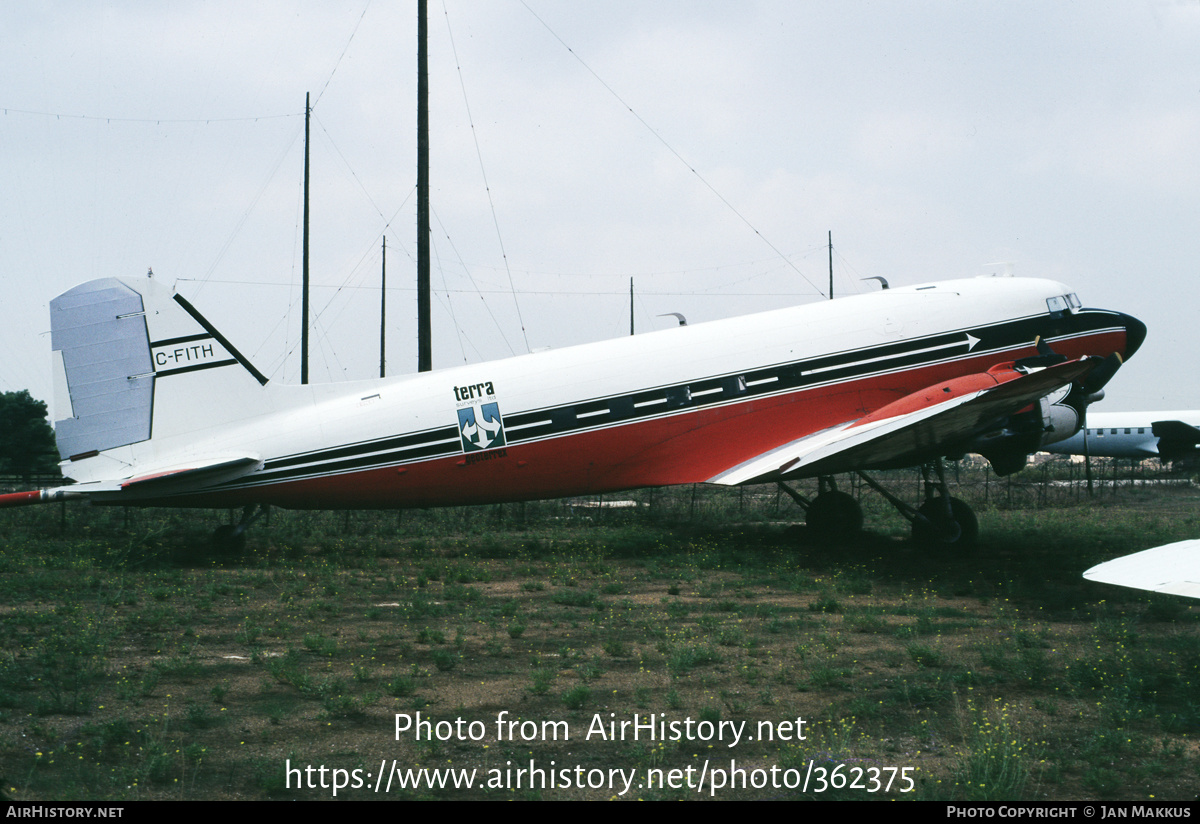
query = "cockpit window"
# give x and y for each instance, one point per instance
(1063, 303)
(1056, 304)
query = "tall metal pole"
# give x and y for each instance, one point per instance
(383, 313)
(424, 344)
(831, 264)
(631, 306)
(304, 266)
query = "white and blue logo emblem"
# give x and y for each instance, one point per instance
(480, 427)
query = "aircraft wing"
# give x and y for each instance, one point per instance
(914, 429)
(1173, 569)
(181, 480)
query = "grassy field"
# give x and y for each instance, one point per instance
(136, 662)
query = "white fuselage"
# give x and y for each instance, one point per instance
(675, 406)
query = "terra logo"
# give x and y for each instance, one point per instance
(480, 427)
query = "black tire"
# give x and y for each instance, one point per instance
(961, 531)
(834, 515)
(228, 538)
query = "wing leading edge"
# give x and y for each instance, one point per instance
(1173, 569)
(914, 429)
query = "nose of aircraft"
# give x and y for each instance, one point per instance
(1135, 333)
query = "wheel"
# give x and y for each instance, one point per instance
(834, 514)
(228, 538)
(960, 530)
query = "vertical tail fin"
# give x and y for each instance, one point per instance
(133, 361)
(103, 378)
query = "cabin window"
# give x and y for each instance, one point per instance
(1141, 430)
(1127, 432)
(1114, 432)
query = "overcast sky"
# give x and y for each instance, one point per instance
(702, 148)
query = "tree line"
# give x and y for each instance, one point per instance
(27, 445)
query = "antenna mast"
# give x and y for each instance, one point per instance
(304, 266)
(424, 347)
(383, 313)
(831, 264)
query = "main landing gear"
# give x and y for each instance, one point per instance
(941, 521)
(232, 537)
(832, 514)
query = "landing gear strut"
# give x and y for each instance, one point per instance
(232, 537)
(941, 520)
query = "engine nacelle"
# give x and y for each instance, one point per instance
(1063, 412)
(1056, 417)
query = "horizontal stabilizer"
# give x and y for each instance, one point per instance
(172, 481)
(1173, 569)
(189, 479)
(914, 429)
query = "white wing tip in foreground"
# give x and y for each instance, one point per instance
(1173, 569)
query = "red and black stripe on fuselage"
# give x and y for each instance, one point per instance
(694, 435)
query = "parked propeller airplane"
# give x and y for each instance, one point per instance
(1171, 436)
(155, 407)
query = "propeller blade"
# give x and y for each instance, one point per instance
(1044, 348)
(1102, 374)
(1045, 356)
